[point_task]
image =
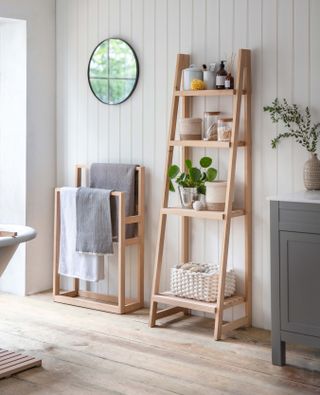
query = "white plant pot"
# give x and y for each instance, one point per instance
(216, 195)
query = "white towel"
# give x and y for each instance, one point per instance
(71, 263)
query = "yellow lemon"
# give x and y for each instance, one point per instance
(197, 85)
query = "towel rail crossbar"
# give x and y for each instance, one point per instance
(109, 303)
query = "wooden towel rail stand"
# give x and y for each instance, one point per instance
(92, 300)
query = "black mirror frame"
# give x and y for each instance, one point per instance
(137, 77)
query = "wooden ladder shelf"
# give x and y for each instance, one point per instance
(242, 92)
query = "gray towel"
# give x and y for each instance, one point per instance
(118, 177)
(94, 230)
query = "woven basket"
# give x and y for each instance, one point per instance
(201, 286)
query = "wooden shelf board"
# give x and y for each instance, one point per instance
(207, 92)
(169, 299)
(186, 212)
(204, 144)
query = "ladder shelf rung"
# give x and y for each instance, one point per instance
(208, 92)
(170, 299)
(206, 214)
(204, 144)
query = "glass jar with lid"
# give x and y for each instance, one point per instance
(210, 126)
(224, 129)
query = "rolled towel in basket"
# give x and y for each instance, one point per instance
(94, 229)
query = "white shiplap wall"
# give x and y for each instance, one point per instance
(37, 173)
(13, 136)
(283, 35)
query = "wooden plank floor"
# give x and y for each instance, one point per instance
(88, 352)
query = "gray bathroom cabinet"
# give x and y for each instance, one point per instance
(295, 272)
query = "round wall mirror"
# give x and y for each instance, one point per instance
(113, 71)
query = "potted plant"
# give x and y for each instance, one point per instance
(191, 182)
(298, 125)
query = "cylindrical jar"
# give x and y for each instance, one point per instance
(209, 78)
(210, 125)
(190, 128)
(224, 129)
(190, 74)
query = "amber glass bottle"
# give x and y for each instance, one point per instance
(221, 76)
(229, 81)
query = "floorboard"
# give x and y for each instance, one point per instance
(91, 352)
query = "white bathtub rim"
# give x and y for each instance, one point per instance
(25, 233)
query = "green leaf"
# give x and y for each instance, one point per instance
(204, 176)
(201, 189)
(205, 161)
(195, 174)
(211, 174)
(181, 177)
(171, 187)
(173, 171)
(188, 164)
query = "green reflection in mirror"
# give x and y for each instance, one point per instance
(113, 71)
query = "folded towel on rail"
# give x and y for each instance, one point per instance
(94, 229)
(117, 177)
(71, 263)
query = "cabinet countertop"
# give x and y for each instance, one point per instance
(298, 197)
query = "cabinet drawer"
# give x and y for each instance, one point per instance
(299, 217)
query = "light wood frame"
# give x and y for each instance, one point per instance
(241, 92)
(92, 300)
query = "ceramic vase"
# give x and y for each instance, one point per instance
(311, 173)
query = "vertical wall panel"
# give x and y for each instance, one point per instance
(62, 62)
(301, 77)
(211, 239)
(285, 87)
(269, 91)
(283, 36)
(172, 254)
(314, 58)
(226, 47)
(199, 38)
(103, 113)
(136, 129)
(137, 132)
(93, 104)
(125, 108)
(82, 82)
(161, 108)
(255, 43)
(114, 125)
(149, 77)
(240, 40)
